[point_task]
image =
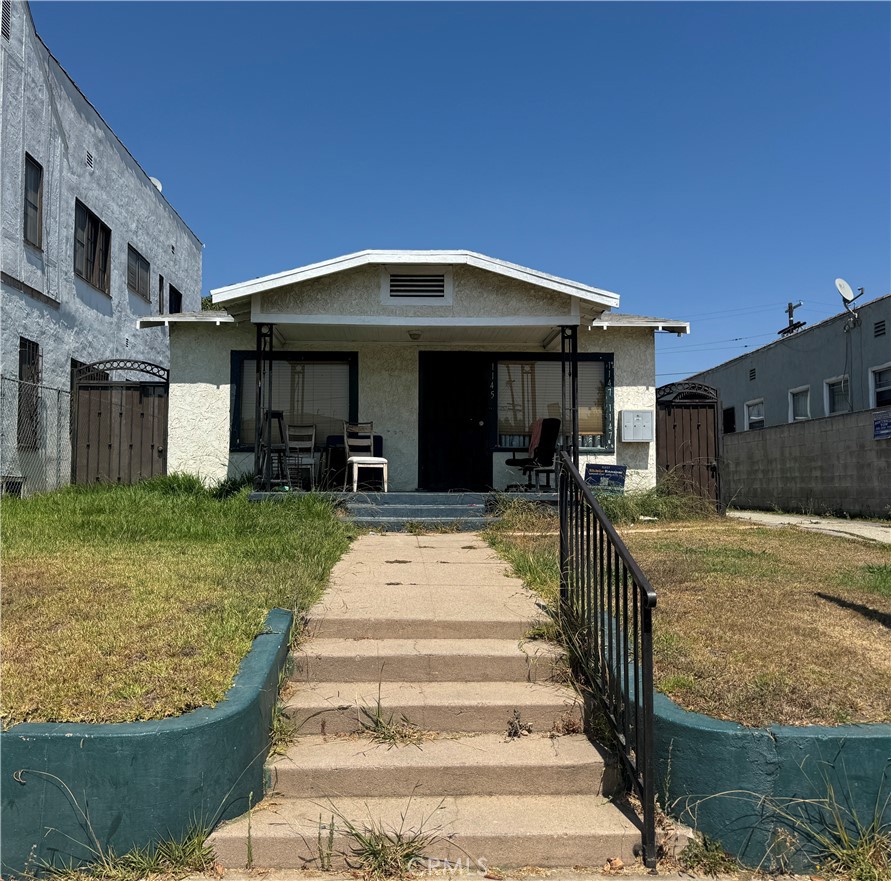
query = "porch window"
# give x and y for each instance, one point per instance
(532, 389)
(309, 392)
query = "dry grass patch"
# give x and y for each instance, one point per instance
(134, 603)
(757, 625)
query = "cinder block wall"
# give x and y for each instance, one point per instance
(819, 466)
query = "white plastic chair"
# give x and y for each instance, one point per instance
(358, 438)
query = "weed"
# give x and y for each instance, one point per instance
(390, 853)
(516, 727)
(282, 728)
(874, 578)
(707, 856)
(381, 727)
(326, 850)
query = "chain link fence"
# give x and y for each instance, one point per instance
(35, 439)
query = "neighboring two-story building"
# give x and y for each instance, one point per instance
(803, 417)
(89, 245)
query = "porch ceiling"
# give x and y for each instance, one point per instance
(419, 335)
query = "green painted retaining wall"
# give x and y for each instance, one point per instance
(711, 774)
(139, 782)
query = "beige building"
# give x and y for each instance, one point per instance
(451, 354)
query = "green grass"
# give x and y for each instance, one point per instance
(127, 603)
(756, 625)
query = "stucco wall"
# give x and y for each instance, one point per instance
(822, 465)
(357, 292)
(200, 399)
(46, 116)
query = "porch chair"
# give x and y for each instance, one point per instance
(358, 438)
(276, 451)
(301, 454)
(541, 455)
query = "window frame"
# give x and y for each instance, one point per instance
(873, 390)
(797, 391)
(173, 290)
(609, 379)
(147, 293)
(239, 356)
(748, 421)
(93, 278)
(843, 378)
(38, 208)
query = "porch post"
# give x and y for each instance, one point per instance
(262, 456)
(569, 366)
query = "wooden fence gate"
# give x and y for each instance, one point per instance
(687, 438)
(119, 422)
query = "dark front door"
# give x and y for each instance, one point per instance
(455, 406)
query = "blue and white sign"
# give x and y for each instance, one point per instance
(881, 425)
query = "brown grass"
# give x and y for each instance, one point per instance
(757, 625)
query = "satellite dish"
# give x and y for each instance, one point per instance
(845, 290)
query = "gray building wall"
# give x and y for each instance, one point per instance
(827, 465)
(807, 359)
(45, 115)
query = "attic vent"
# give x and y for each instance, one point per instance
(7, 19)
(89, 159)
(752, 374)
(878, 329)
(430, 286)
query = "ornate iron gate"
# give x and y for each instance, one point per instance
(687, 438)
(119, 422)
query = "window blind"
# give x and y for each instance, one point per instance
(308, 392)
(530, 390)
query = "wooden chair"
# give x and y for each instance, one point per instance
(358, 438)
(301, 454)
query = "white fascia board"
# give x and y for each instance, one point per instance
(167, 320)
(677, 327)
(363, 258)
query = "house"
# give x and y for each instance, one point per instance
(89, 245)
(451, 354)
(802, 416)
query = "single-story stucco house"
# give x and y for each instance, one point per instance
(453, 355)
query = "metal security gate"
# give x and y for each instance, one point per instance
(119, 422)
(687, 438)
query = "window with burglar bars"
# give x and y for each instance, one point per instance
(92, 245)
(28, 426)
(33, 231)
(532, 389)
(138, 273)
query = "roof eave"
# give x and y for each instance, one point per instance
(604, 298)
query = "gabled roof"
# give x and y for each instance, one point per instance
(606, 299)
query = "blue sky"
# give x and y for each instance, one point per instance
(707, 161)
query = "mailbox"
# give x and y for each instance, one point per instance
(637, 426)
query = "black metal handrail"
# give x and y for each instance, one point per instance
(606, 615)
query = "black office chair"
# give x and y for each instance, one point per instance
(542, 459)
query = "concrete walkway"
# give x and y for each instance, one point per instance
(429, 630)
(862, 529)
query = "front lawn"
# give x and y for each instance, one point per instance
(754, 624)
(128, 603)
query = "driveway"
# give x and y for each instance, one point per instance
(864, 529)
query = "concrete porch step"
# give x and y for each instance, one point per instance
(485, 764)
(380, 499)
(417, 512)
(424, 660)
(337, 707)
(502, 831)
(399, 524)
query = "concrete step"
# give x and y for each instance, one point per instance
(399, 524)
(418, 512)
(424, 660)
(485, 764)
(337, 707)
(417, 498)
(503, 831)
